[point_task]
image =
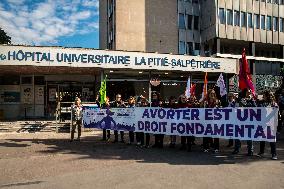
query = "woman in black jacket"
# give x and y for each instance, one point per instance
(268, 101)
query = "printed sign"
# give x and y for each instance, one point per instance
(39, 95)
(27, 94)
(11, 96)
(52, 95)
(257, 124)
(56, 56)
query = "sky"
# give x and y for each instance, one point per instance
(68, 23)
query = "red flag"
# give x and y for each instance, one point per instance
(245, 79)
(204, 92)
(192, 89)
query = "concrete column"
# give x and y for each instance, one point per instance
(251, 50)
(217, 46)
(281, 51)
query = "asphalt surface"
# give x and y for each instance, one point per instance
(49, 160)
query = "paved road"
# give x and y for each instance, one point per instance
(49, 160)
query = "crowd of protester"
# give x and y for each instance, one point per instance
(244, 99)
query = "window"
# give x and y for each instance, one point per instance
(262, 22)
(229, 17)
(196, 22)
(181, 47)
(27, 80)
(181, 22)
(243, 19)
(189, 22)
(268, 1)
(197, 49)
(236, 18)
(9, 80)
(189, 48)
(268, 23)
(222, 16)
(256, 21)
(275, 24)
(39, 80)
(281, 26)
(250, 22)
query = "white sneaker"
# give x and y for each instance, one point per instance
(216, 151)
(274, 157)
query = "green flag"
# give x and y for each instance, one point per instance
(103, 92)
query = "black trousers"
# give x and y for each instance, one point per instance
(77, 124)
(187, 141)
(106, 134)
(238, 145)
(231, 142)
(272, 146)
(131, 136)
(140, 138)
(116, 135)
(207, 142)
(159, 140)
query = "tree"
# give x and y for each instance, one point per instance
(4, 38)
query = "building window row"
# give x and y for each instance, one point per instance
(278, 2)
(250, 20)
(188, 48)
(191, 1)
(189, 22)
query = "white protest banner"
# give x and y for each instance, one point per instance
(257, 124)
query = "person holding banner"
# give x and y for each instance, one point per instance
(131, 104)
(172, 104)
(281, 109)
(77, 114)
(106, 133)
(232, 104)
(211, 101)
(268, 101)
(118, 104)
(193, 103)
(140, 135)
(246, 100)
(186, 141)
(159, 138)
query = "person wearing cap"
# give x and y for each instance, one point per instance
(77, 115)
(118, 104)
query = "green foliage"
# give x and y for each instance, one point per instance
(4, 38)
